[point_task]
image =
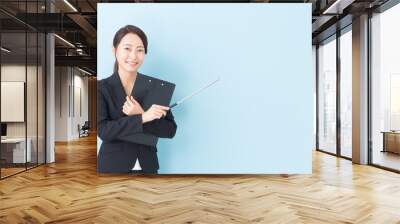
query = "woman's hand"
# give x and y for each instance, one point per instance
(132, 107)
(154, 112)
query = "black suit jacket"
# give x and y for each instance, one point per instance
(118, 152)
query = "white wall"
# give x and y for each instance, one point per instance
(80, 100)
(14, 72)
(71, 93)
(61, 103)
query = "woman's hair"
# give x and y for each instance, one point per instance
(124, 31)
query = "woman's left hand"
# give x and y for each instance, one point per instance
(131, 107)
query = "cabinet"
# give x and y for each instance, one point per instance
(391, 142)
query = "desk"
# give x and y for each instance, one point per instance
(13, 150)
(391, 141)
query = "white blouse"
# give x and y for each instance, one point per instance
(137, 165)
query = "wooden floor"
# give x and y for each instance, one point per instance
(387, 159)
(70, 191)
(10, 171)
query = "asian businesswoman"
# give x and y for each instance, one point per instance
(120, 114)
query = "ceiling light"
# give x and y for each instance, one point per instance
(64, 40)
(5, 50)
(338, 6)
(70, 5)
(86, 72)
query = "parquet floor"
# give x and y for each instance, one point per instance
(387, 159)
(10, 171)
(70, 191)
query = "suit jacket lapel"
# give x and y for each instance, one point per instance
(139, 90)
(118, 91)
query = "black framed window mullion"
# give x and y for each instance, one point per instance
(26, 86)
(44, 71)
(317, 96)
(338, 92)
(73, 91)
(37, 89)
(45, 93)
(369, 90)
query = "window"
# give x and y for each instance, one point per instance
(385, 89)
(327, 96)
(23, 77)
(346, 93)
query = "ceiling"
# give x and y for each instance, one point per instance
(76, 22)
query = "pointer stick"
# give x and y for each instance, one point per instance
(193, 94)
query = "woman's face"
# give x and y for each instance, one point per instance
(130, 53)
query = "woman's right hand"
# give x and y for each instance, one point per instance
(154, 112)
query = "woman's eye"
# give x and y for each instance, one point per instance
(127, 48)
(140, 50)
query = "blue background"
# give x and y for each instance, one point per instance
(258, 118)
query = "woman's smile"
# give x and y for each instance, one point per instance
(132, 63)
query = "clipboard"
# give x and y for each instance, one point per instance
(151, 91)
(156, 91)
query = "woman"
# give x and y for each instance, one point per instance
(120, 115)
